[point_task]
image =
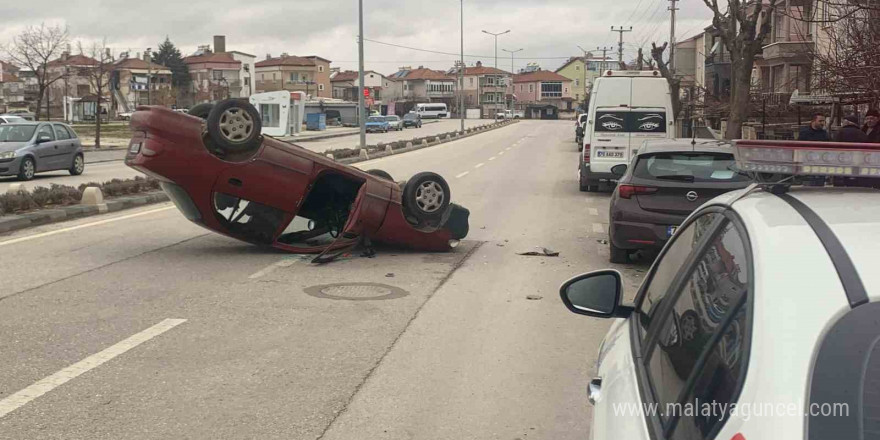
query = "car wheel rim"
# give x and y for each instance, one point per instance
(430, 196)
(236, 124)
(78, 164)
(28, 169)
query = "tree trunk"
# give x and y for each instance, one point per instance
(39, 104)
(740, 88)
(98, 119)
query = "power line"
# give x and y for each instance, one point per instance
(458, 55)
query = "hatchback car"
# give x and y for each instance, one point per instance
(412, 120)
(759, 318)
(27, 148)
(394, 122)
(223, 175)
(377, 124)
(664, 183)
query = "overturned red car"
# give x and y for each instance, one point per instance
(222, 174)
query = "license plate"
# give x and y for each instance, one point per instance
(670, 230)
(617, 154)
(135, 148)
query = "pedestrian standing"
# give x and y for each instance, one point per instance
(850, 131)
(816, 130)
(872, 126)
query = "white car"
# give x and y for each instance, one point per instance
(760, 319)
(395, 122)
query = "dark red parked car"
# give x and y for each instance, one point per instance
(224, 175)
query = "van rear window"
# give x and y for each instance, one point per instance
(631, 122)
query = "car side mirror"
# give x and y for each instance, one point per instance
(43, 138)
(619, 170)
(595, 294)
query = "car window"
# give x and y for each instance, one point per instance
(665, 269)
(17, 133)
(715, 288)
(61, 132)
(392, 118)
(250, 220)
(699, 167)
(45, 129)
(376, 119)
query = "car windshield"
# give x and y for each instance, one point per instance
(376, 119)
(410, 116)
(16, 132)
(392, 118)
(12, 119)
(689, 167)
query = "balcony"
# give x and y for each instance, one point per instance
(788, 51)
(441, 93)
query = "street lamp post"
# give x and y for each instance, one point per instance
(511, 52)
(496, 61)
(584, 84)
(362, 120)
(461, 73)
(149, 77)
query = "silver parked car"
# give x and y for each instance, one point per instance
(395, 122)
(27, 148)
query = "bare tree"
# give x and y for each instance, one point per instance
(674, 83)
(742, 27)
(33, 49)
(98, 75)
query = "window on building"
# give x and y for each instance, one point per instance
(294, 76)
(321, 69)
(82, 90)
(577, 83)
(577, 67)
(321, 87)
(566, 90)
(247, 81)
(531, 88)
(551, 89)
(471, 81)
(217, 74)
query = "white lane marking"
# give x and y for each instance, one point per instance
(286, 262)
(508, 148)
(87, 225)
(598, 228)
(479, 165)
(492, 158)
(593, 211)
(500, 153)
(462, 174)
(43, 386)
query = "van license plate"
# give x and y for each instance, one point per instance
(670, 230)
(617, 154)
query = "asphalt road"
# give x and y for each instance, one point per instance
(143, 325)
(103, 165)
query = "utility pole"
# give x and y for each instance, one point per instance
(362, 119)
(461, 73)
(620, 44)
(511, 52)
(604, 56)
(495, 101)
(672, 9)
(149, 76)
(584, 85)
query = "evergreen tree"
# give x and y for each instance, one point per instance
(169, 56)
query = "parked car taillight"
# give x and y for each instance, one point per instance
(586, 153)
(627, 191)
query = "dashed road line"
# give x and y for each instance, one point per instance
(500, 153)
(41, 387)
(479, 165)
(462, 175)
(593, 211)
(508, 148)
(286, 262)
(598, 228)
(492, 158)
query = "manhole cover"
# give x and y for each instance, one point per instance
(356, 291)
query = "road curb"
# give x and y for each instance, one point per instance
(329, 136)
(9, 223)
(380, 154)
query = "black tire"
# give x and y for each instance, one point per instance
(582, 184)
(426, 196)
(28, 169)
(618, 255)
(78, 165)
(201, 110)
(235, 125)
(381, 174)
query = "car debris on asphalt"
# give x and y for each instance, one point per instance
(543, 252)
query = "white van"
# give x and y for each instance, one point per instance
(627, 107)
(432, 110)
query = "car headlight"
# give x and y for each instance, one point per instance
(7, 155)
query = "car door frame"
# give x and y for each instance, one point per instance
(46, 152)
(66, 147)
(641, 351)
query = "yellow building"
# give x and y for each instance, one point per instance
(582, 75)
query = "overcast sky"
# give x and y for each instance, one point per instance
(547, 30)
